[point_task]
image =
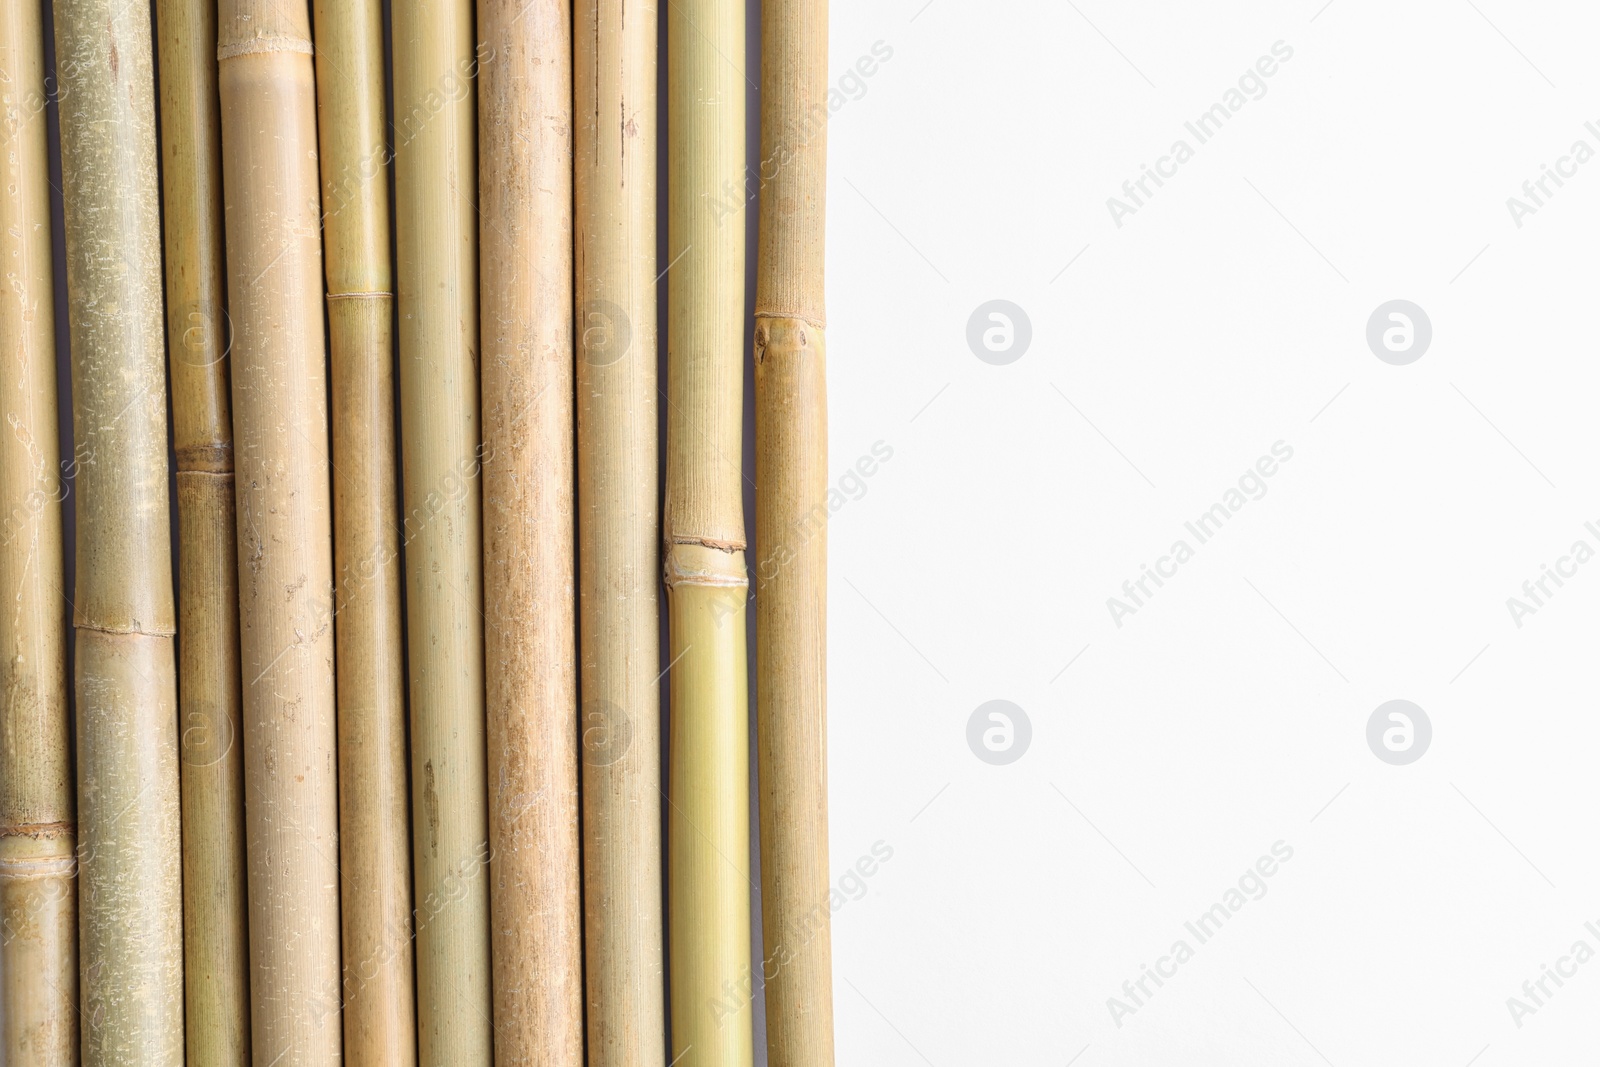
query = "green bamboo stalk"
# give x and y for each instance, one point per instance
(215, 929)
(375, 844)
(708, 826)
(131, 897)
(435, 67)
(38, 896)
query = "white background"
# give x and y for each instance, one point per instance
(1230, 712)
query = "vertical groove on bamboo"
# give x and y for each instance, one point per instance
(614, 68)
(708, 777)
(525, 183)
(38, 895)
(791, 530)
(375, 832)
(216, 942)
(435, 67)
(274, 253)
(131, 894)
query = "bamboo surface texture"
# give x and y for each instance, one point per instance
(375, 831)
(38, 893)
(130, 871)
(525, 184)
(791, 534)
(274, 253)
(614, 57)
(709, 885)
(435, 70)
(216, 942)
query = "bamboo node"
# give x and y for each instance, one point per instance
(134, 629)
(374, 295)
(27, 868)
(771, 312)
(272, 43)
(210, 458)
(38, 830)
(701, 561)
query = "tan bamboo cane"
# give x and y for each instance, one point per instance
(274, 252)
(38, 901)
(791, 532)
(375, 832)
(708, 892)
(130, 888)
(525, 184)
(216, 943)
(435, 67)
(614, 76)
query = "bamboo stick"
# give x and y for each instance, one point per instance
(131, 894)
(614, 57)
(274, 252)
(708, 836)
(38, 898)
(436, 223)
(525, 192)
(791, 530)
(375, 844)
(216, 943)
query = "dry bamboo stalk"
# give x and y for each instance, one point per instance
(525, 192)
(615, 46)
(435, 177)
(131, 892)
(38, 898)
(269, 168)
(375, 843)
(709, 885)
(791, 530)
(216, 943)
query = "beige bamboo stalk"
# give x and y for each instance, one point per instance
(435, 68)
(130, 871)
(791, 530)
(269, 169)
(525, 193)
(614, 61)
(380, 1027)
(708, 888)
(216, 943)
(38, 897)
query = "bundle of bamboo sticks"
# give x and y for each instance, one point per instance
(368, 760)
